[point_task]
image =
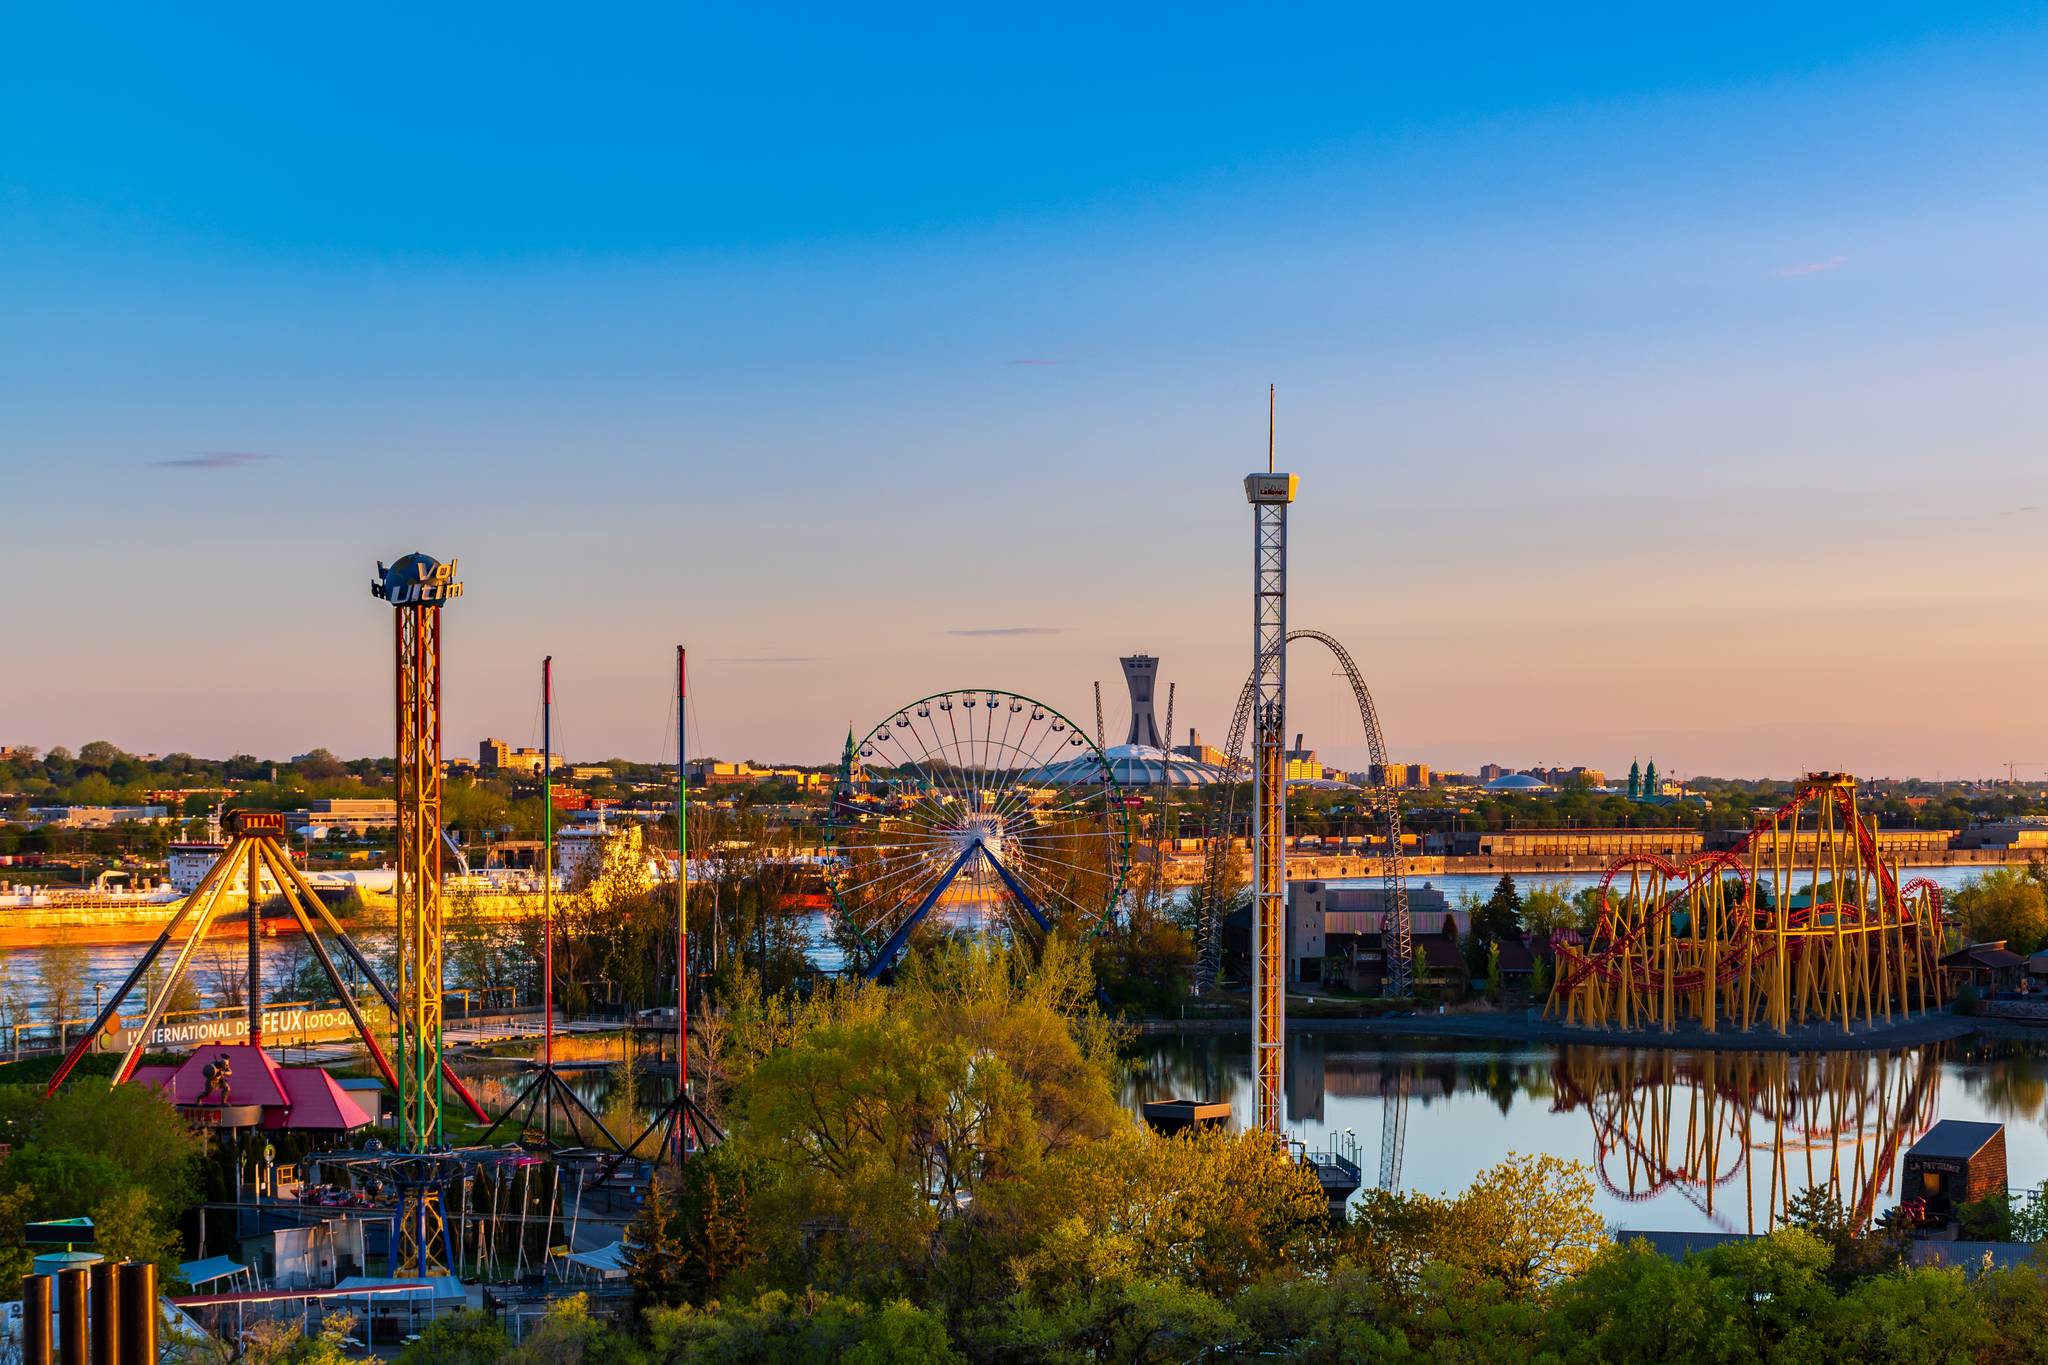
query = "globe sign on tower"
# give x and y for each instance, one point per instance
(416, 580)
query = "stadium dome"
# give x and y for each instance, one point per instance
(1133, 765)
(1518, 782)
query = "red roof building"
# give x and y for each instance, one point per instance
(253, 1091)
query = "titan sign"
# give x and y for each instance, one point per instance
(292, 1024)
(416, 580)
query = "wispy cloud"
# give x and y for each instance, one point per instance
(766, 659)
(1032, 360)
(213, 459)
(1813, 267)
(1011, 630)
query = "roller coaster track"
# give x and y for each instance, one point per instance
(1679, 938)
(1397, 931)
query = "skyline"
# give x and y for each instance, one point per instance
(1658, 388)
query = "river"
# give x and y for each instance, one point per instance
(1676, 1140)
(1679, 1140)
(22, 984)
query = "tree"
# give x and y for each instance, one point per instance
(1857, 1254)
(1550, 907)
(128, 1226)
(1526, 1224)
(805, 1327)
(1140, 1321)
(568, 1335)
(66, 1183)
(1500, 917)
(471, 1337)
(875, 1113)
(2005, 904)
(320, 766)
(134, 1128)
(1206, 1208)
(656, 1251)
(98, 753)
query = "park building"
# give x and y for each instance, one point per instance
(1336, 935)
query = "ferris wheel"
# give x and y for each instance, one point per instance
(980, 810)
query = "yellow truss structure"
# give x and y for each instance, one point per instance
(1801, 924)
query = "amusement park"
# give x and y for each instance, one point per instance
(383, 1181)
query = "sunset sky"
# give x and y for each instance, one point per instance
(1658, 386)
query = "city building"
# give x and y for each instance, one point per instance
(1302, 763)
(95, 817)
(715, 772)
(496, 756)
(1409, 776)
(1567, 843)
(2026, 831)
(1490, 772)
(1567, 778)
(352, 815)
(1200, 752)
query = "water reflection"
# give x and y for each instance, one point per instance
(1779, 1123)
(1683, 1140)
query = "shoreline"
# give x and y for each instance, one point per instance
(1529, 1027)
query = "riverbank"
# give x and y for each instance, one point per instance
(1528, 1026)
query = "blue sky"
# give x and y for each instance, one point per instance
(1658, 385)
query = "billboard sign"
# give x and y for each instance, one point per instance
(282, 1026)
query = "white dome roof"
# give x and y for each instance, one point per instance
(1132, 765)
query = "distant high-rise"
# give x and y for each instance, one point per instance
(1140, 672)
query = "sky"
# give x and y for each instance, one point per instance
(1659, 385)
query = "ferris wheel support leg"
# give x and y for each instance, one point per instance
(1016, 889)
(894, 947)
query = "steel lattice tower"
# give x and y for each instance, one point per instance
(1269, 495)
(418, 586)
